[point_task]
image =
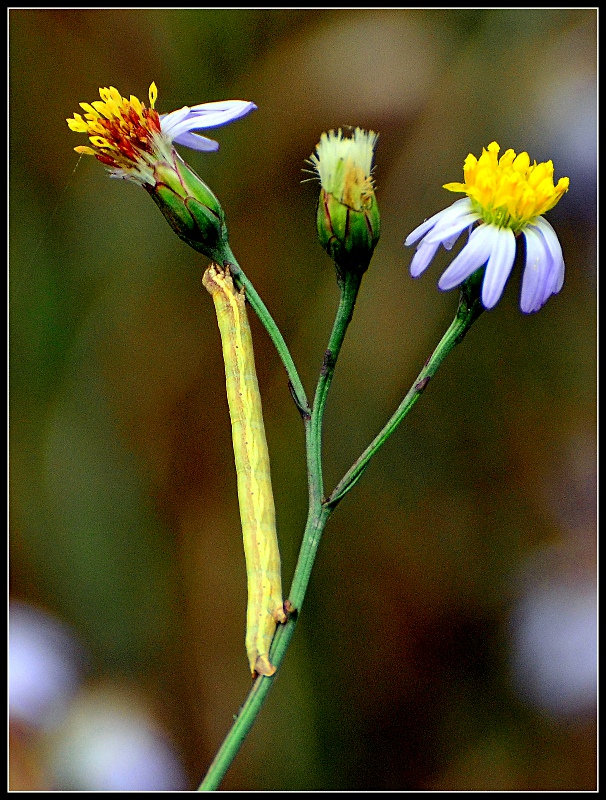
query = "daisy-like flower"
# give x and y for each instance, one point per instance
(348, 216)
(130, 139)
(137, 144)
(506, 196)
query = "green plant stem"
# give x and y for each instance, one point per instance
(260, 689)
(228, 260)
(350, 285)
(317, 518)
(320, 510)
(470, 308)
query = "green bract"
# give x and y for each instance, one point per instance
(190, 207)
(349, 236)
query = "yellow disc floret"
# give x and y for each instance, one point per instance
(509, 191)
(123, 134)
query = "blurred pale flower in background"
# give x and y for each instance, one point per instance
(99, 739)
(44, 666)
(554, 647)
(553, 625)
(109, 743)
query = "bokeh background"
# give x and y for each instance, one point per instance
(448, 638)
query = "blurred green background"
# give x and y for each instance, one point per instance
(124, 519)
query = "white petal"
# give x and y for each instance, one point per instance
(195, 142)
(472, 256)
(422, 229)
(553, 244)
(422, 258)
(212, 115)
(452, 225)
(168, 121)
(537, 272)
(499, 266)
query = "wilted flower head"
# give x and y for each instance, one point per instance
(506, 196)
(348, 216)
(136, 143)
(130, 139)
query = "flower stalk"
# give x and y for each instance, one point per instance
(320, 510)
(469, 309)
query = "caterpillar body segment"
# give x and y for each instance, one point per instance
(265, 607)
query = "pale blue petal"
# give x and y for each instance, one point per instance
(177, 125)
(168, 121)
(444, 223)
(452, 224)
(195, 142)
(472, 256)
(422, 258)
(553, 245)
(536, 278)
(499, 266)
(211, 115)
(422, 229)
(229, 109)
(448, 244)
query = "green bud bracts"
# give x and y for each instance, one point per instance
(190, 207)
(349, 235)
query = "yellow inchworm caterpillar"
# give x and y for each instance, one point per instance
(265, 608)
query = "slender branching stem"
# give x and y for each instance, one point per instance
(317, 517)
(228, 260)
(320, 508)
(470, 308)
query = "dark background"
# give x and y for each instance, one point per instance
(405, 669)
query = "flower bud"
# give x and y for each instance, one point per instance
(348, 217)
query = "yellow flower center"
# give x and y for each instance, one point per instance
(123, 133)
(509, 191)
